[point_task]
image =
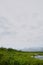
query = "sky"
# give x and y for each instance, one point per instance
(21, 23)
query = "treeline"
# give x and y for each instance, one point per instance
(8, 49)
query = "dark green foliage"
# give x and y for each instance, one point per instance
(10, 49)
(14, 57)
(1, 56)
(16, 63)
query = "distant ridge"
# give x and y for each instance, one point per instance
(33, 49)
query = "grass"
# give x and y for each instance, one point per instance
(15, 57)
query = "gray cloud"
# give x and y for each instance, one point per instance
(21, 23)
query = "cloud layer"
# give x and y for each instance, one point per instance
(21, 23)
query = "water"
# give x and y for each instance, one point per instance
(39, 57)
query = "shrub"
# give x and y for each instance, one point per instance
(16, 63)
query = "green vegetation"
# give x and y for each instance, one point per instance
(15, 57)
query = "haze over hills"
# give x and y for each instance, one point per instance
(33, 49)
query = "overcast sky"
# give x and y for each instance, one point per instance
(21, 23)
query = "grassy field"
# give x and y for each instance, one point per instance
(15, 57)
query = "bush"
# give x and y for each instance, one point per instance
(16, 63)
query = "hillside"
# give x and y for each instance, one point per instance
(33, 49)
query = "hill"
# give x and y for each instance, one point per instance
(33, 49)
